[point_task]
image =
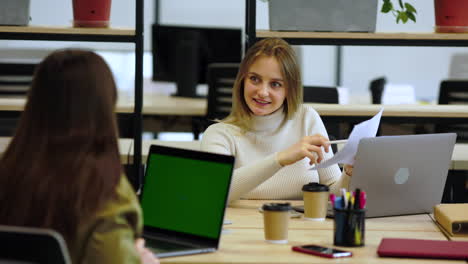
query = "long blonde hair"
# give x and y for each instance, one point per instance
(241, 115)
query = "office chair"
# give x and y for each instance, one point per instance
(376, 87)
(320, 94)
(15, 80)
(326, 95)
(220, 79)
(32, 245)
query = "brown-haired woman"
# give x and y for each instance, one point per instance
(62, 168)
(273, 137)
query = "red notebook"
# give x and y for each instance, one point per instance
(419, 248)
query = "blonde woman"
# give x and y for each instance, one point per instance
(274, 138)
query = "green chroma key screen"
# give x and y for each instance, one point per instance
(185, 195)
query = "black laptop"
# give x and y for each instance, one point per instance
(184, 197)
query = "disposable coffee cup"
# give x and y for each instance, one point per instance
(315, 201)
(275, 219)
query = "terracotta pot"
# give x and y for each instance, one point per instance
(451, 16)
(91, 13)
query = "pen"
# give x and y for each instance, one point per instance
(349, 201)
(362, 200)
(338, 202)
(357, 199)
(344, 201)
(332, 199)
(341, 141)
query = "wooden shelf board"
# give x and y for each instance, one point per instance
(359, 35)
(67, 30)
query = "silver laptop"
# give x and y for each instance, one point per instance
(402, 174)
(184, 198)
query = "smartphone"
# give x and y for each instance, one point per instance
(322, 251)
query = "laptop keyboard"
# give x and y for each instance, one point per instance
(160, 245)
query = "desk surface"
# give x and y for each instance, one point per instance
(125, 147)
(242, 216)
(157, 104)
(459, 156)
(152, 105)
(167, 105)
(243, 241)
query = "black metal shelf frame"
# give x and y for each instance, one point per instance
(137, 39)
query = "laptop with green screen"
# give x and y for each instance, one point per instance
(184, 197)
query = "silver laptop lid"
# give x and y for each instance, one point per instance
(402, 174)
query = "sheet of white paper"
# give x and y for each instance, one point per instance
(346, 155)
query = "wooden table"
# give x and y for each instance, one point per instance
(159, 111)
(125, 147)
(243, 241)
(459, 156)
(153, 104)
(195, 145)
(157, 104)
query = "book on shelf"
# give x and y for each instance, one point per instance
(453, 218)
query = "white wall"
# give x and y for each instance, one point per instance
(422, 67)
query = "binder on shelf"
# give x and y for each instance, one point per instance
(453, 218)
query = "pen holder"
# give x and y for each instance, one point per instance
(349, 228)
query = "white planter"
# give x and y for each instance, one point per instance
(14, 12)
(323, 15)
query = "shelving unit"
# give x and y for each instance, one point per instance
(99, 35)
(349, 38)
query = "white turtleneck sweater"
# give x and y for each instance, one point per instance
(257, 173)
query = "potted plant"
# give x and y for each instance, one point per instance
(403, 11)
(14, 12)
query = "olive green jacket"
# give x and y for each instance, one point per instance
(109, 236)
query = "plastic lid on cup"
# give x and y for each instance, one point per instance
(315, 187)
(276, 207)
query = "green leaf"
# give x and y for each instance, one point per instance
(386, 7)
(410, 8)
(406, 11)
(403, 16)
(411, 16)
